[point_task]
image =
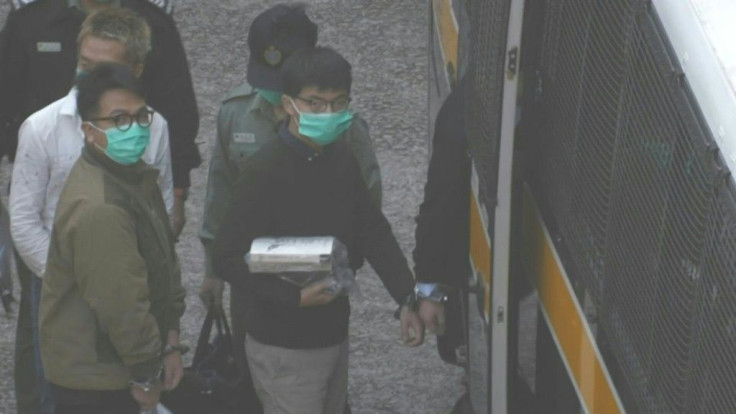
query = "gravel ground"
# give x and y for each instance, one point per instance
(385, 40)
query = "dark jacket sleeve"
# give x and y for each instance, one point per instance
(3, 92)
(378, 245)
(249, 217)
(12, 68)
(442, 232)
(170, 91)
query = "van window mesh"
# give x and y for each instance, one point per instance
(641, 199)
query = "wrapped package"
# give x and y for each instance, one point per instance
(304, 261)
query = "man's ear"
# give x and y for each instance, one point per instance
(87, 130)
(89, 133)
(287, 106)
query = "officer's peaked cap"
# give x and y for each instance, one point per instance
(273, 36)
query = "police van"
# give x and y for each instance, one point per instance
(603, 137)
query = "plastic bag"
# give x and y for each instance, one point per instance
(304, 261)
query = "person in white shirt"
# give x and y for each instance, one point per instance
(51, 140)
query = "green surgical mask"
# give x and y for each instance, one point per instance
(271, 96)
(126, 147)
(323, 129)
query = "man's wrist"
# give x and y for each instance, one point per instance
(410, 301)
(181, 193)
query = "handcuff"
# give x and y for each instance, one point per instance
(170, 349)
(433, 292)
(146, 385)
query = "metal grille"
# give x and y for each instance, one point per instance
(641, 204)
(489, 27)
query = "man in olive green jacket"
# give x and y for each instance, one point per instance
(112, 296)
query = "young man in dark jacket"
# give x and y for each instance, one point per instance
(112, 295)
(307, 183)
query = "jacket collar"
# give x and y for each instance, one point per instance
(69, 9)
(68, 108)
(69, 104)
(78, 5)
(300, 147)
(65, 10)
(131, 174)
(262, 106)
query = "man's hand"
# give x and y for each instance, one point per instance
(173, 367)
(178, 218)
(433, 316)
(412, 328)
(173, 370)
(210, 292)
(147, 400)
(316, 295)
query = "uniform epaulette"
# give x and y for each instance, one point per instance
(239, 92)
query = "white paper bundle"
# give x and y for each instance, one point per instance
(303, 261)
(291, 254)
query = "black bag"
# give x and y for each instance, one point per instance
(213, 383)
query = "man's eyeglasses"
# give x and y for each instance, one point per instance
(318, 106)
(123, 122)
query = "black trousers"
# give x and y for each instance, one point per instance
(94, 402)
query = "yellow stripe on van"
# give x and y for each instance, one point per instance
(565, 318)
(448, 31)
(480, 249)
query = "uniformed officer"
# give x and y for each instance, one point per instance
(248, 118)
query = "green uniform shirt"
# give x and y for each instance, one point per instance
(244, 123)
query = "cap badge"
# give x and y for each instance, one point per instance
(272, 56)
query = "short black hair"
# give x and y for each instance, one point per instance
(320, 67)
(105, 77)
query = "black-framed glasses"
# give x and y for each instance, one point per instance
(318, 106)
(123, 122)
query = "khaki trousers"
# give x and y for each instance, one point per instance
(299, 381)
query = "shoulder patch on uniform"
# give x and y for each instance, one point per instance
(48, 47)
(244, 138)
